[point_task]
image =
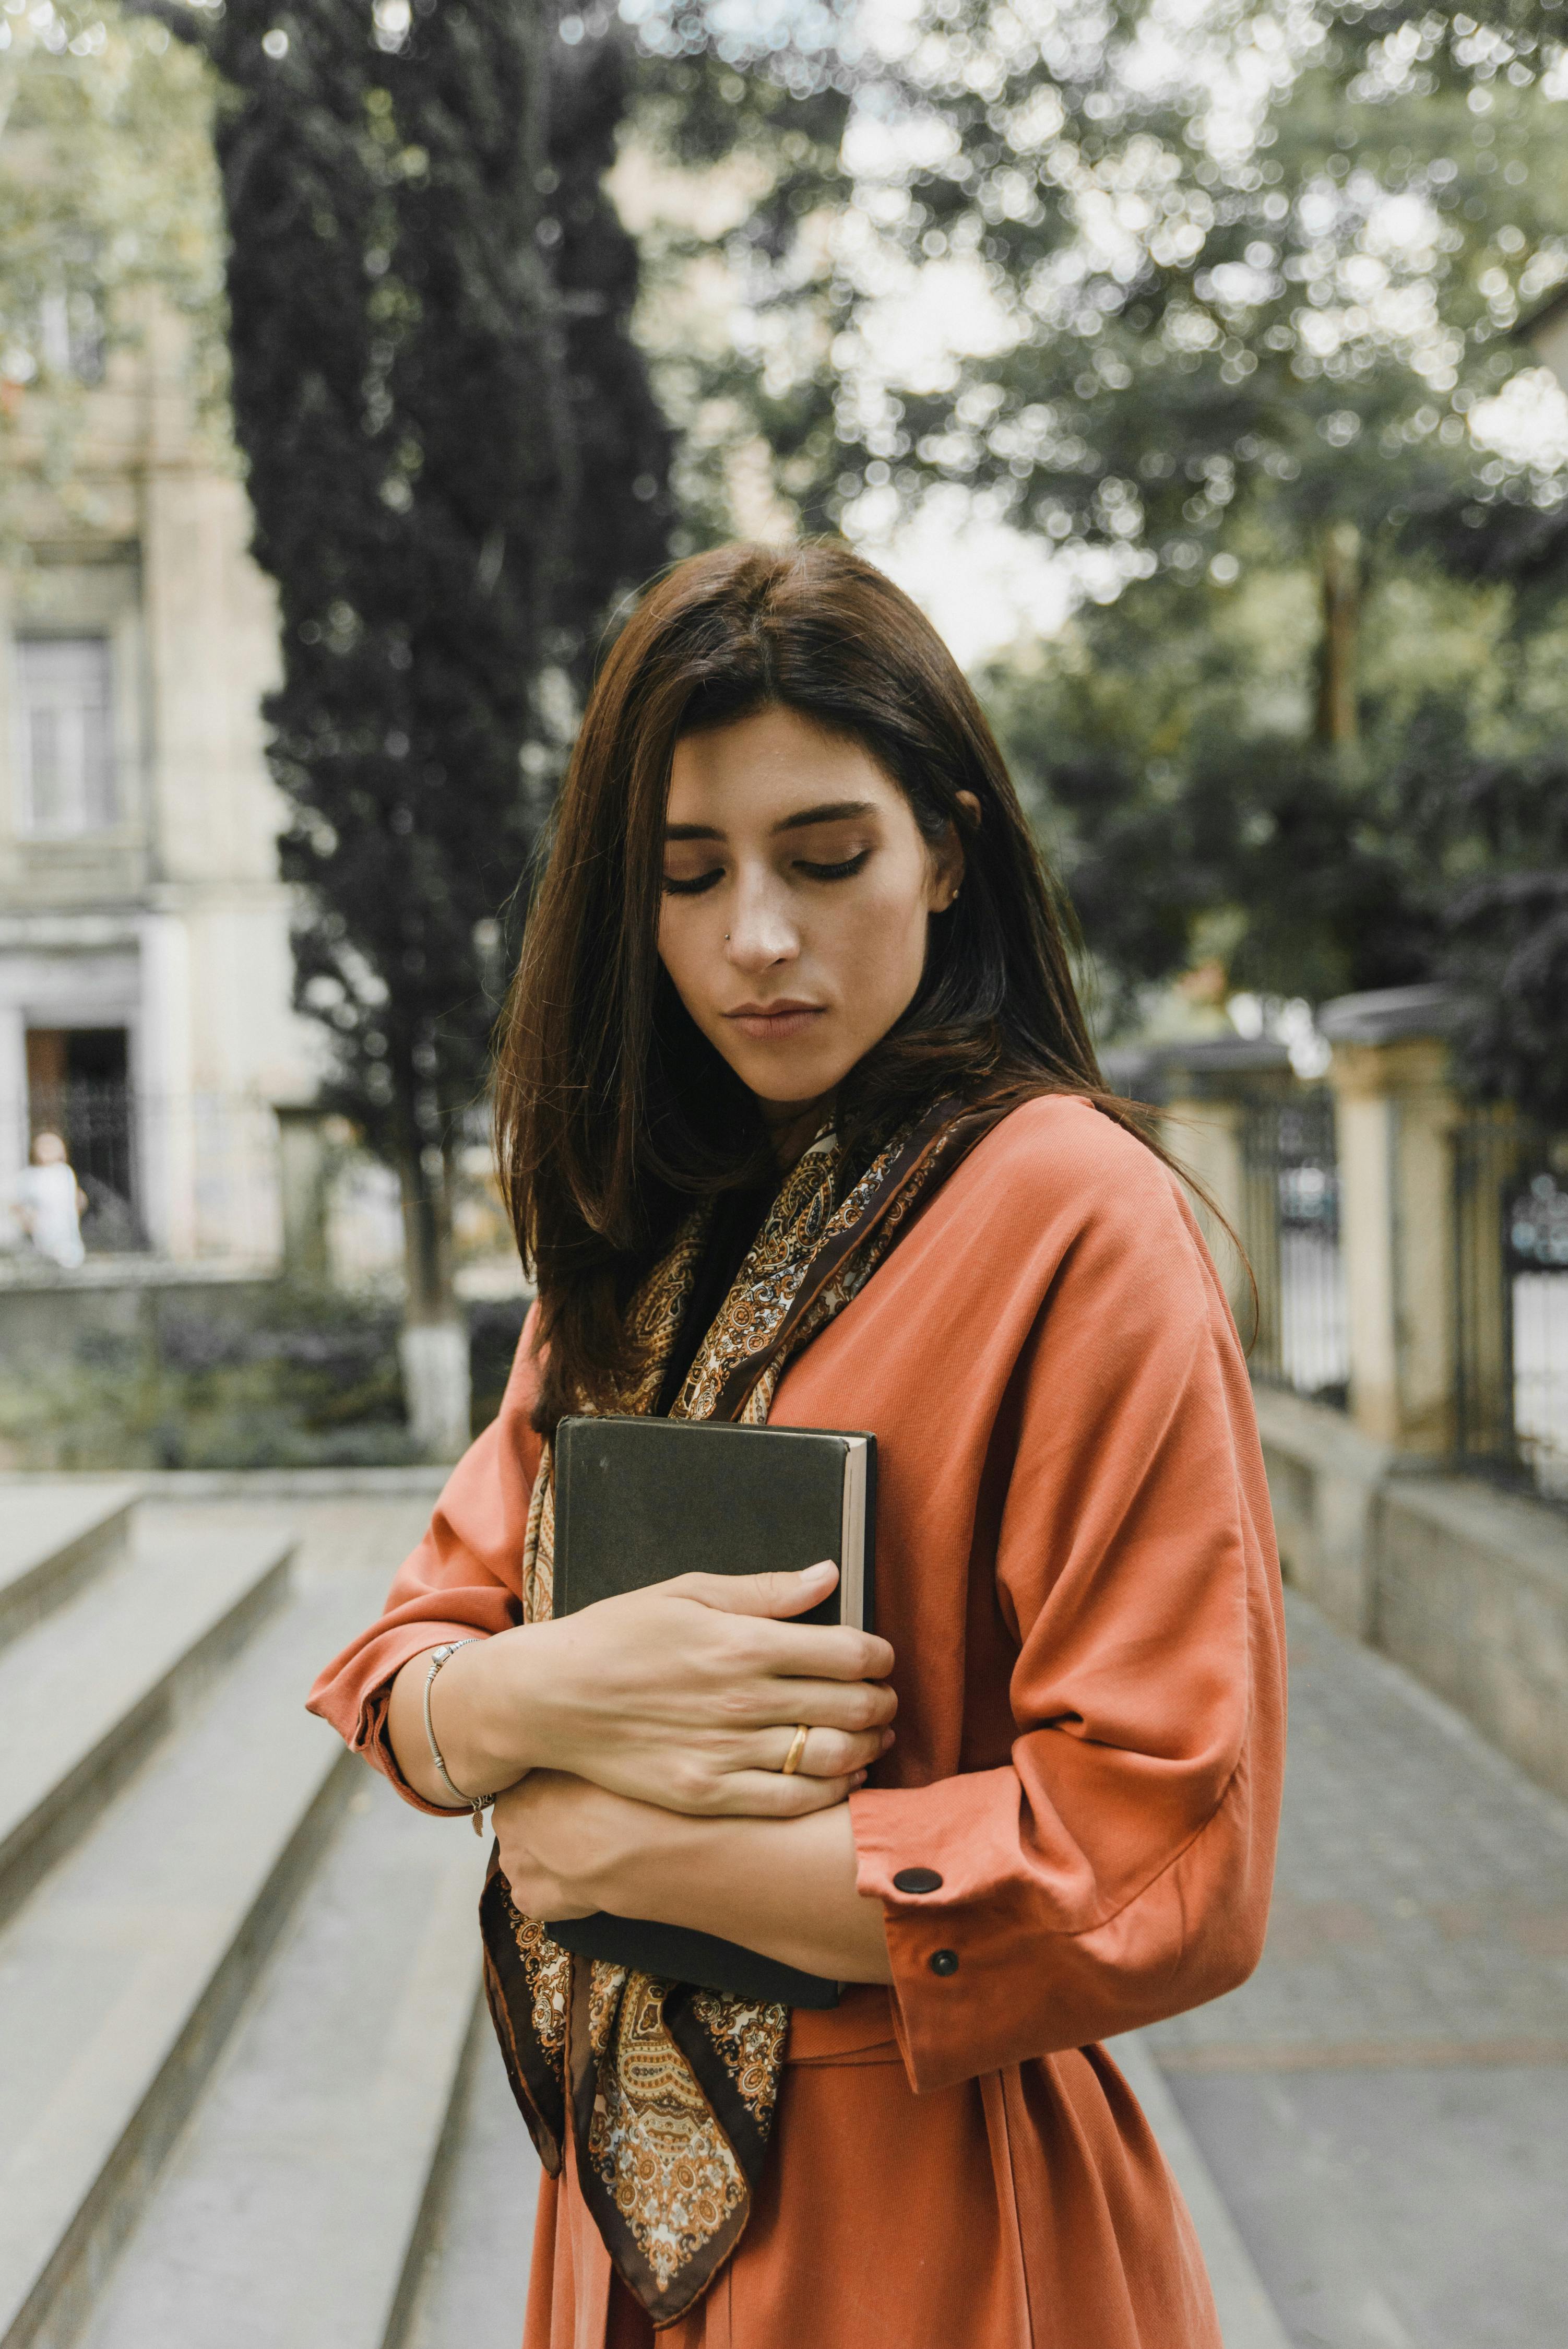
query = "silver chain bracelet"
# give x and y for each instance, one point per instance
(475, 1804)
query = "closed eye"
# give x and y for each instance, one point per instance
(695, 887)
(841, 871)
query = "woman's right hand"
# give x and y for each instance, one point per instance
(686, 1694)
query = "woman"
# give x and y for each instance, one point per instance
(799, 1118)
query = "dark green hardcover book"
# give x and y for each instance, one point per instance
(641, 1500)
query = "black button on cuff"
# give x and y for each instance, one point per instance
(943, 1961)
(917, 1879)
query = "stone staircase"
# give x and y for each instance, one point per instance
(247, 2096)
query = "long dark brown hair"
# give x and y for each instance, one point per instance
(612, 1110)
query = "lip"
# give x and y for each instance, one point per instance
(775, 1023)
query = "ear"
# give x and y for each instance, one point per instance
(948, 859)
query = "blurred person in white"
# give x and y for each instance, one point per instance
(50, 1202)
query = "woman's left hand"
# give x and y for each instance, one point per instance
(563, 1842)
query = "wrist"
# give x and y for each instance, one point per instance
(480, 1714)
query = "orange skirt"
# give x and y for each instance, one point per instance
(1029, 2206)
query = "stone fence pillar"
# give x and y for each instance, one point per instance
(1203, 1090)
(1397, 1116)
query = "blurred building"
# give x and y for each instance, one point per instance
(144, 953)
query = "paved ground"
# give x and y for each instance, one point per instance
(1384, 2105)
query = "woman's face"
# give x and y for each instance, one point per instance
(797, 899)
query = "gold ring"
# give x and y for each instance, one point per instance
(796, 1747)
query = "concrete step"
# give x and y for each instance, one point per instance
(52, 1539)
(473, 2286)
(293, 2213)
(86, 1692)
(122, 1976)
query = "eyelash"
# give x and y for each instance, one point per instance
(844, 872)
(705, 881)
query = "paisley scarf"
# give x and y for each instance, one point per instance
(667, 2092)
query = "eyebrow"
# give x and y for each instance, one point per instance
(829, 811)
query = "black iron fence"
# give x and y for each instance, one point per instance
(95, 1120)
(205, 1177)
(1290, 1229)
(193, 1176)
(1511, 1223)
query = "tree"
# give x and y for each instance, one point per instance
(1509, 931)
(85, 244)
(732, 177)
(1285, 257)
(1234, 319)
(1166, 743)
(456, 467)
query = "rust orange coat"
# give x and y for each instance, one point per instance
(1076, 1569)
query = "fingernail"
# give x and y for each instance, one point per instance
(858, 1778)
(888, 1737)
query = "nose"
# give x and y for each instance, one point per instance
(762, 932)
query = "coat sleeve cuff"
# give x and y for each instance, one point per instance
(365, 1729)
(937, 1860)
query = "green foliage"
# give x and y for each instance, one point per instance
(277, 1377)
(292, 1380)
(1227, 315)
(494, 1329)
(1508, 935)
(732, 176)
(1212, 302)
(109, 194)
(456, 467)
(1165, 743)
(1281, 259)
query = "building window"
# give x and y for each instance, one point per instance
(67, 734)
